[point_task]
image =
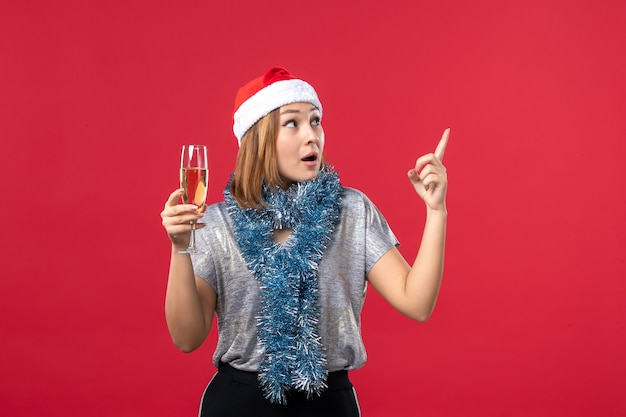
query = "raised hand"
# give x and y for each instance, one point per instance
(429, 176)
(178, 219)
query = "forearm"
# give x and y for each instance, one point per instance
(184, 312)
(424, 278)
(413, 290)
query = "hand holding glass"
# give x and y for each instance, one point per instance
(194, 179)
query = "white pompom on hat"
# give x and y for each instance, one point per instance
(276, 88)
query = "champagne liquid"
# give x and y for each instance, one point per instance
(195, 182)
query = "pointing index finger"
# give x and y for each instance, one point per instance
(441, 146)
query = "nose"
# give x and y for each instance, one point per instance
(311, 136)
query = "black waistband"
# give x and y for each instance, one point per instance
(336, 380)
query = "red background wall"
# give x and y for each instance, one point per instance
(96, 98)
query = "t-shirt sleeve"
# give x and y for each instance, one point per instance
(204, 263)
(379, 237)
(204, 267)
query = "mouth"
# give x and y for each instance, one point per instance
(311, 157)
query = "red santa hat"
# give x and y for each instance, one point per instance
(277, 87)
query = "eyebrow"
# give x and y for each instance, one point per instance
(313, 108)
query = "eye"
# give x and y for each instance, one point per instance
(316, 121)
(290, 123)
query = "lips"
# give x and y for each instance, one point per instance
(310, 157)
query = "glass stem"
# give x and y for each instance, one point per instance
(192, 240)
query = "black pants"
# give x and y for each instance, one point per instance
(236, 393)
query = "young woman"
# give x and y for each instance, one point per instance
(287, 257)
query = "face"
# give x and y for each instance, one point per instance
(300, 142)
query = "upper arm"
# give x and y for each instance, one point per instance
(389, 276)
(208, 301)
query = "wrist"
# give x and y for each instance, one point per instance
(441, 212)
(177, 247)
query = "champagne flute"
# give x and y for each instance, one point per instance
(194, 179)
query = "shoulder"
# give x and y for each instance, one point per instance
(352, 195)
(216, 207)
(216, 212)
(357, 205)
(355, 199)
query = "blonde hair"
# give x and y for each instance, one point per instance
(257, 163)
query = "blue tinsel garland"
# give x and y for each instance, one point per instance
(288, 320)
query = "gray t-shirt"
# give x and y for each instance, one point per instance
(360, 239)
